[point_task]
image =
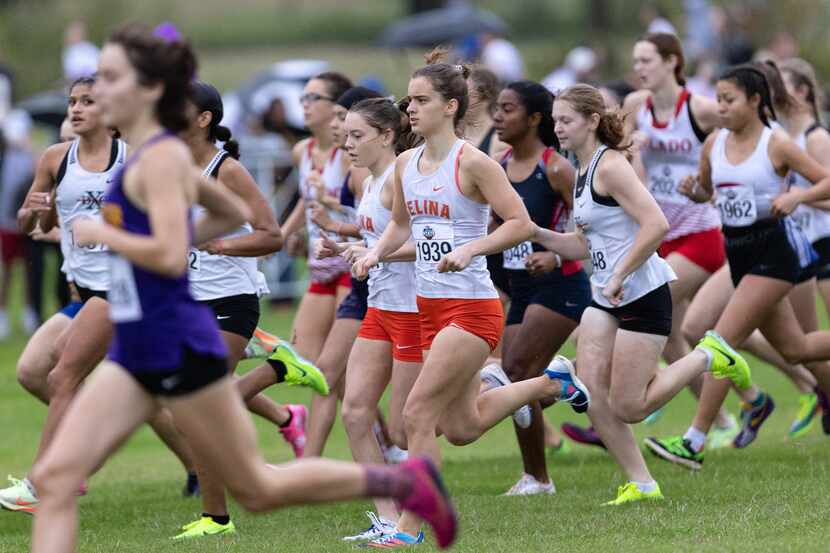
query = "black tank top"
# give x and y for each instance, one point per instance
(545, 206)
(484, 146)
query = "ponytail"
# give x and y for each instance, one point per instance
(223, 134)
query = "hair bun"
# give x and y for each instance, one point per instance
(223, 134)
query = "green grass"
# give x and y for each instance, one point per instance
(770, 497)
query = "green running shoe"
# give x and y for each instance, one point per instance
(677, 450)
(205, 526)
(630, 493)
(298, 371)
(808, 408)
(723, 436)
(726, 362)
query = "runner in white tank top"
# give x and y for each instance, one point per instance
(316, 312)
(744, 166)
(389, 336)
(84, 174)
(669, 125)
(443, 194)
(622, 334)
(223, 272)
(79, 194)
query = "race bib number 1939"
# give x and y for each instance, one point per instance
(432, 241)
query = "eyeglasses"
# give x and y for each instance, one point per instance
(311, 97)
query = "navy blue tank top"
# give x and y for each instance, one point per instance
(545, 206)
(155, 316)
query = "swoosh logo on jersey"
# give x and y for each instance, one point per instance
(437, 189)
(397, 346)
(570, 304)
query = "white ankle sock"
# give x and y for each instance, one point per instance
(697, 439)
(645, 487)
(708, 355)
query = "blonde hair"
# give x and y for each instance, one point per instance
(587, 100)
(803, 74)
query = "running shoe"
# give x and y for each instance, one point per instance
(720, 437)
(205, 526)
(298, 371)
(726, 362)
(808, 408)
(395, 540)
(528, 485)
(20, 496)
(751, 420)
(585, 436)
(430, 501)
(573, 390)
(563, 448)
(825, 408)
(676, 449)
(191, 486)
(630, 493)
(261, 345)
(380, 527)
(393, 455)
(294, 432)
(494, 376)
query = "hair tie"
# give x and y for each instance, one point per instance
(168, 32)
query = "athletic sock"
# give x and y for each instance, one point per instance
(708, 355)
(288, 420)
(646, 487)
(279, 369)
(384, 481)
(759, 400)
(218, 519)
(696, 438)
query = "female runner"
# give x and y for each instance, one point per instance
(746, 163)
(443, 193)
(547, 296)
(167, 349)
(622, 334)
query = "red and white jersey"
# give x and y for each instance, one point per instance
(391, 285)
(322, 270)
(442, 219)
(671, 153)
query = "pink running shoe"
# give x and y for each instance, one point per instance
(430, 501)
(294, 433)
(83, 489)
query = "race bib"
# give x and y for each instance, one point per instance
(599, 256)
(515, 257)
(663, 184)
(125, 305)
(736, 203)
(88, 248)
(432, 241)
(194, 260)
(803, 218)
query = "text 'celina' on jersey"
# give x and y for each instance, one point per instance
(442, 219)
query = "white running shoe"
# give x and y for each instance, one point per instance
(493, 375)
(20, 496)
(380, 527)
(393, 455)
(528, 485)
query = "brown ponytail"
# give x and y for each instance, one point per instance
(587, 100)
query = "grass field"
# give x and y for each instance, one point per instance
(771, 497)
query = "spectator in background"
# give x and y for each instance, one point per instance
(16, 172)
(501, 56)
(702, 82)
(578, 68)
(655, 20)
(80, 57)
(6, 90)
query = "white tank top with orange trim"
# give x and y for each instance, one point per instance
(391, 285)
(442, 219)
(671, 153)
(813, 221)
(322, 270)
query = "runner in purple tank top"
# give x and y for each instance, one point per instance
(167, 351)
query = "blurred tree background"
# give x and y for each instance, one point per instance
(236, 38)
